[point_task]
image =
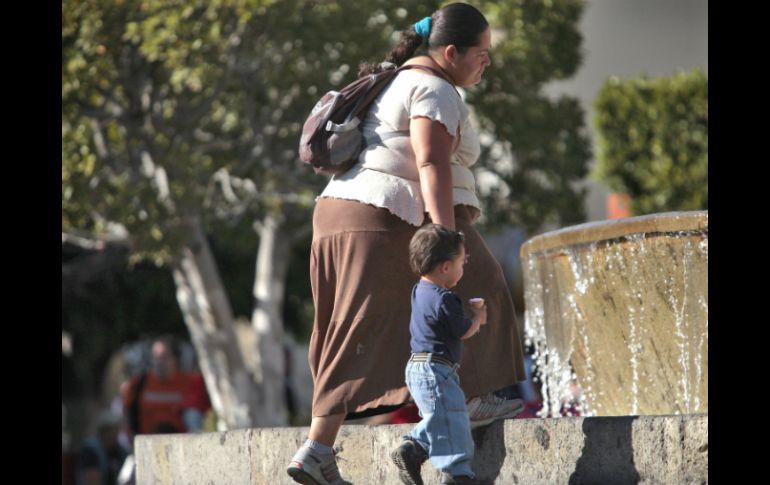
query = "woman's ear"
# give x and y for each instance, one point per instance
(450, 53)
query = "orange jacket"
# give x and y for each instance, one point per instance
(160, 402)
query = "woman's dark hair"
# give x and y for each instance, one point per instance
(431, 245)
(457, 24)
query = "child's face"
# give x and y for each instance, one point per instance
(455, 271)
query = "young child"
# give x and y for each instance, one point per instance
(438, 326)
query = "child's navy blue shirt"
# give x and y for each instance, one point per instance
(438, 321)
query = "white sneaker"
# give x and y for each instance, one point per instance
(310, 469)
(487, 408)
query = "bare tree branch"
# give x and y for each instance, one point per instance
(100, 142)
(94, 242)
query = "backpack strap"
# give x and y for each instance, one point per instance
(371, 93)
(440, 73)
(376, 139)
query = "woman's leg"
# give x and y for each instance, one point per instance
(324, 429)
(314, 463)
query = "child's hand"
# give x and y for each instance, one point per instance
(481, 314)
(479, 310)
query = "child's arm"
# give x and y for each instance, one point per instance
(479, 319)
(456, 320)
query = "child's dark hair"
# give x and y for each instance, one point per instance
(431, 245)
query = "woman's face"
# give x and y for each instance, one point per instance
(469, 67)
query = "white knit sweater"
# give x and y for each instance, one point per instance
(386, 173)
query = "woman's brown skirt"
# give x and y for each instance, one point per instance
(362, 288)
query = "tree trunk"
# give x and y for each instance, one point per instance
(267, 319)
(235, 394)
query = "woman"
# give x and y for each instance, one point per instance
(414, 170)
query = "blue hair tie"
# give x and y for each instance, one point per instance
(423, 28)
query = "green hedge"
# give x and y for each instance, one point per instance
(653, 141)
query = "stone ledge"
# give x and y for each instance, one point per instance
(607, 450)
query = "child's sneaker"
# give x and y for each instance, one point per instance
(409, 457)
(447, 479)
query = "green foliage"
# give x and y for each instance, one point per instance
(159, 97)
(653, 141)
(539, 147)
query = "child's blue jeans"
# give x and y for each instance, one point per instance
(445, 430)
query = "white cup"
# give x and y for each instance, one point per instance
(476, 302)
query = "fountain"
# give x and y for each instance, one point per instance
(621, 307)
